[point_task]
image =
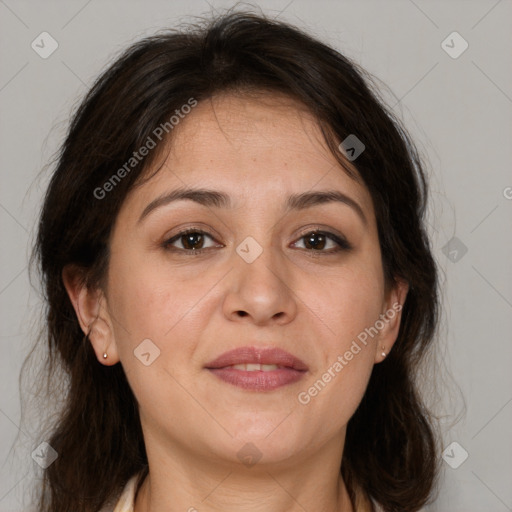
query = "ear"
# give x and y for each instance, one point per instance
(391, 317)
(91, 309)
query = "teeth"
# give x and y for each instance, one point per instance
(251, 367)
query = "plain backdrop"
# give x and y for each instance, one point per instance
(456, 104)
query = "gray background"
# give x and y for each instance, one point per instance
(457, 109)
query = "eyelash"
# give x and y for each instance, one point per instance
(343, 244)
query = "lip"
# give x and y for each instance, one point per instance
(255, 355)
(291, 368)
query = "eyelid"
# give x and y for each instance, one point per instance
(317, 228)
(194, 228)
(343, 245)
(341, 241)
(170, 240)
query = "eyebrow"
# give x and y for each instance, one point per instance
(218, 199)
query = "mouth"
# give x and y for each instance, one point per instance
(254, 367)
(258, 369)
(254, 359)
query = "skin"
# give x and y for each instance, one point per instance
(308, 301)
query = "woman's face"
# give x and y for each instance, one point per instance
(260, 279)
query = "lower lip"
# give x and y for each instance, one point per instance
(258, 380)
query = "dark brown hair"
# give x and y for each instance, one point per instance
(390, 451)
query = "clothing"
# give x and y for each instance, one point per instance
(127, 499)
(125, 502)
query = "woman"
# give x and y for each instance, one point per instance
(236, 225)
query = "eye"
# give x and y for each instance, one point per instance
(192, 241)
(317, 241)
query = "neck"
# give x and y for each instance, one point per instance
(270, 495)
(182, 483)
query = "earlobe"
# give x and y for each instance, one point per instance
(101, 338)
(93, 318)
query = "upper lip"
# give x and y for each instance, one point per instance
(255, 355)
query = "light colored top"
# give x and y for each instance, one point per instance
(126, 500)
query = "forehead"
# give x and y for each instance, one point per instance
(258, 147)
(269, 128)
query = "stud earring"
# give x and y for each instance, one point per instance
(105, 355)
(383, 352)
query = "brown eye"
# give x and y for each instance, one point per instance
(317, 241)
(191, 241)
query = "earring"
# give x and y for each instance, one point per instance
(383, 352)
(105, 355)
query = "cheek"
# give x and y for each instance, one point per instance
(347, 312)
(171, 307)
(338, 383)
(349, 303)
(149, 302)
(140, 295)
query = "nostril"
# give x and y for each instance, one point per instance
(242, 313)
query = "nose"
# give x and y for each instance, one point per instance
(261, 291)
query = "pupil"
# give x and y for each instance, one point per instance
(310, 241)
(314, 240)
(191, 240)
